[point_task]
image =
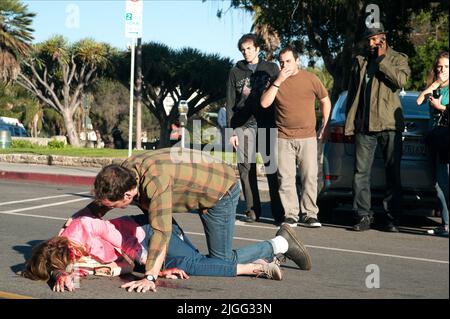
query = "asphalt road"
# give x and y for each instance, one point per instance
(346, 264)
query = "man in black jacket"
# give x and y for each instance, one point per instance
(375, 118)
(246, 83)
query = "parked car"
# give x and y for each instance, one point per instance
(13, 126)
(416, 169)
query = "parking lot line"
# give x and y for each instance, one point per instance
(36, 216)
(40, 198)
(16, 212)
(346, 250)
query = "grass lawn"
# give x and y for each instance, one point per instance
(229, 157)
(69, 151)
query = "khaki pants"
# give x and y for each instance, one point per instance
(301, 152)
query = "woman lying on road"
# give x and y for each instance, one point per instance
(106, 240)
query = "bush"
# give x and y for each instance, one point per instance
(22, 144)
(54, 144)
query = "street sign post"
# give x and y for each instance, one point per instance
(133, 18)
(133, 30)
(183, 108)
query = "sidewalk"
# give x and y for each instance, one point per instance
(49, 173)
(66, 175)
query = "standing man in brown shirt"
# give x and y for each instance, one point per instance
(294, 92)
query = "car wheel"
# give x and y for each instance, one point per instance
(326, 208)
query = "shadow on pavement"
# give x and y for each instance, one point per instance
(25, 250)
(408, 224)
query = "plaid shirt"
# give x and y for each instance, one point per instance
(172, 180)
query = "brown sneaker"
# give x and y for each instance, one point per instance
(270, 271)
(297, 252)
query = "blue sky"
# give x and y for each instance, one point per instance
(177, 23)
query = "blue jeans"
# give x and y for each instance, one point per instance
(183, 254)
(218, 224)
(442, 175)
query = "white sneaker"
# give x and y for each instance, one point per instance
(310, 222)
(290, 222)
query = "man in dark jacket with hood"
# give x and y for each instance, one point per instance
(246, 83)
(375, 117)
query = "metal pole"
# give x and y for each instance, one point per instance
(85, 126)
(138, 94)
(130, 128)
(182, 137)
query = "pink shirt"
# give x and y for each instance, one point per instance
(100, 237)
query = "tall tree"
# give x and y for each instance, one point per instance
(18, 103)
(332, 29)
(59, 73)
(175, 75)
(110, 106)
(15, 37)
(430, 37)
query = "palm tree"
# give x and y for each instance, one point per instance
(268, 35)
(59, 74)
(170, 76)
(15, 37)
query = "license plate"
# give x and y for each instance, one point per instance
(414, 149)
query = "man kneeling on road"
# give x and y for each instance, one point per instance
(175, 180)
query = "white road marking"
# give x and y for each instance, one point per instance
(40, 198)
(16, 212)
(345, 250)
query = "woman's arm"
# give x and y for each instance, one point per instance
(429, 90)
(437, 103)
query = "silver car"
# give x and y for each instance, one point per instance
(416, 171)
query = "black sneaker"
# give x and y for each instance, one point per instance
(250, 217)
(289, 221)
(297, 252)
(310, 222)
(363, 224)
(390, 224)
(390, 227)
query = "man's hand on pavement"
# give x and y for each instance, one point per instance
(173, 273)
(142, 285)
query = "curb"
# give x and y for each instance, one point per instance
(59, 160)
(67, 161)
(48, 178)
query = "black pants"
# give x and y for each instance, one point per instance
(246, 156)
(365, 146)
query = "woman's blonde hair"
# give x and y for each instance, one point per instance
(50, 255)
(433, 75)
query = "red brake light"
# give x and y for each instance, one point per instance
(336, 135)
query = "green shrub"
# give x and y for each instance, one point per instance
(22, 144)
(54, 144)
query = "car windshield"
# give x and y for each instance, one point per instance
(411, 109)
(338, 113)
(408, 101)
